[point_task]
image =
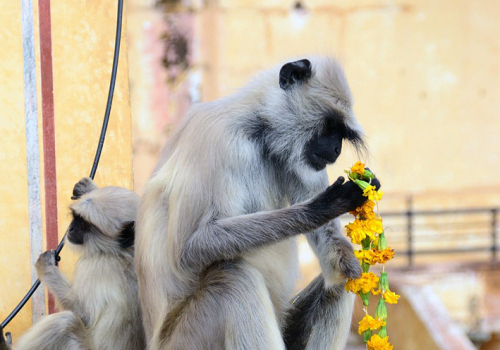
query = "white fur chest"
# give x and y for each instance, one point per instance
(104, 290)
(278, 264)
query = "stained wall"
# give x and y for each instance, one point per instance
(82, 50)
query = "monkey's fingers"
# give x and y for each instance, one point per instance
(58, 258)
(339, 182)
(375, 182)
(333, 188)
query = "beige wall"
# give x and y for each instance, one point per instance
(423, 74)
(83, 40)
(14, 221)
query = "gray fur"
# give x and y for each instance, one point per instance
(101, 306)
(216, 253)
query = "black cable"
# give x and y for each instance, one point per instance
(96, 158)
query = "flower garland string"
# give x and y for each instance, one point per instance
(367, 230)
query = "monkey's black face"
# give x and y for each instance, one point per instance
(325, 148)
(78, 229)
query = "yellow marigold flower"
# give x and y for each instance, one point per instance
(368, 282)
(358, 168)
(356, 231)
(375, 225)
(382, 256)
(372, 193)
(391, 297)
(353, 225)
(369, 322)
(351, 286)
(378, 343)
(365, 284)
(368, 229)
(364, 256)
(370, 215)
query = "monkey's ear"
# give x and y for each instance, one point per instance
(83, 186)
(294, 73)
(127, 235)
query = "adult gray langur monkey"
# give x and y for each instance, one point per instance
(216, 250)
(101, 308)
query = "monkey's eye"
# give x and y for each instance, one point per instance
(83, 225)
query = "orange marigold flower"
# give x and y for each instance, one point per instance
(366, 208)
(358, 168)
(378, 343)
(370, 215)
(369, 322)
(391, 297)
(351, 286)
(382, 256)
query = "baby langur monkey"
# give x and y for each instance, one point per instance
(100, 308)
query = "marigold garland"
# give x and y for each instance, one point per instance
(367, 230)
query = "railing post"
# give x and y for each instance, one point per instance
(494, 248)
(409, 228)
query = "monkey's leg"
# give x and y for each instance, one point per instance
(321, 314)
(319, 318)
(60, 331)
(231, 310)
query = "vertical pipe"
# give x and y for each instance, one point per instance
(32, 150)
(49, 146)
(409, 228)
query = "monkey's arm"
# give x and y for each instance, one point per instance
(52, 278)
(227, 238)
(334, 251)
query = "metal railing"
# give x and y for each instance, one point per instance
(414, 233)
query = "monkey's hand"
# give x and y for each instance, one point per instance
(335, 254)
(339, 198)
(83, 186)
(46, 261)
(344, 261)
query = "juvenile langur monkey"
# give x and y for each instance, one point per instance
(216, 250)
(101, 308)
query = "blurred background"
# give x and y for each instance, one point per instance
(424, 75)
